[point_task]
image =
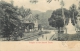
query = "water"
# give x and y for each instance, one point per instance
(46, 37)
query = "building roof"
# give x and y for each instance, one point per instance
(30, 18)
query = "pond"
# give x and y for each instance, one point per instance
(46, 37)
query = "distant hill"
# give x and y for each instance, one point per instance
(36, 12)
(43, 16)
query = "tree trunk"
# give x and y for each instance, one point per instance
(58, 33)
(66, 30)
(58, 29)
(73, 18)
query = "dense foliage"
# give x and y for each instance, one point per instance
(10, 23)
(56, 19)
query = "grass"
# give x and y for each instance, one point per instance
(69, 37)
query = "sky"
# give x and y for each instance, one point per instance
(42, 5)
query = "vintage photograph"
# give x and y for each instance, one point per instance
(39, 20)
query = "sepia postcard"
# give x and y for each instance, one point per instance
(39, 25)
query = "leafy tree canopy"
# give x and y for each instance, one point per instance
(8, 18)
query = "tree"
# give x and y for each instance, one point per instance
(8, 18)
(1, 20)
(57, 23)
(56, 19)
(21, 11)
(37, 16)
(24, 12)
(73, 13)
(58, 12)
